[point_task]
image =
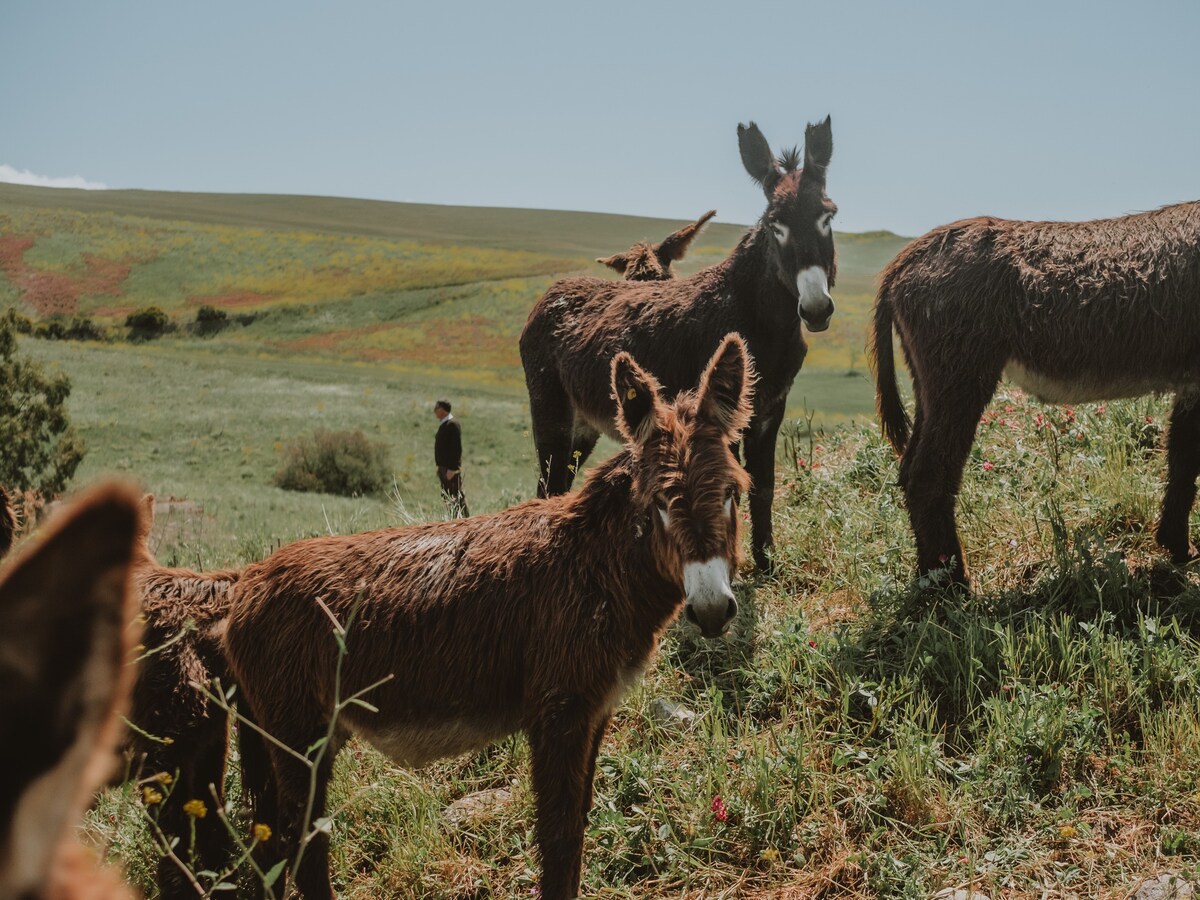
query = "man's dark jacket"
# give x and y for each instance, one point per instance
(447, 444)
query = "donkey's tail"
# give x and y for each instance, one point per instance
(892, 414)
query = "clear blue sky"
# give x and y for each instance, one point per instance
(940, 110)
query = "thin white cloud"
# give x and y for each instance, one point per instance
(24, 176)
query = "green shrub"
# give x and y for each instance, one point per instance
(208, 315)
(334, 462)
(150, 321)
(40, 449)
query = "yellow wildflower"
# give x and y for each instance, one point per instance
(770, 855)
(1066, 832)
(163, 778)
(150, 796)
(261, 832)
(196, 809)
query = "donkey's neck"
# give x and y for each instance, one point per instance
(750, 278)
(610, 531)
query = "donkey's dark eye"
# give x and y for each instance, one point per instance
(661, 501)
(781, 232)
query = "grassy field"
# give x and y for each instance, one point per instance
(855, 734)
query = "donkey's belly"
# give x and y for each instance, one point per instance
(1084, 389)
(419, 745)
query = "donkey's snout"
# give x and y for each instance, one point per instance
(716, 617)
(710, 601)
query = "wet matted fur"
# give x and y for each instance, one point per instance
(1071, 312)
(778, 274)
(536, 618)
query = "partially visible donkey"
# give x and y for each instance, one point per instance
(533, 619)
(66, 633)
(778, 276)
(652, 262)
(178, 730)
(1069, 311)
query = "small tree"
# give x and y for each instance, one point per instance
(39, 448)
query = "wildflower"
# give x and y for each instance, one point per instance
(800, 463)
(1066, 832)
(987, 466)
(261, 832)
(151, 796)
(1100, 409)
(718, 809)
(168, 741)
(196, 809)
(943, 558)
(818, 449)
(813, 644)
(163, 778)
(1012, 542)
(1149, 420)
(769, 855)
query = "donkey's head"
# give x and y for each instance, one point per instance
(686, 477)
(799, 216)
(652, 262)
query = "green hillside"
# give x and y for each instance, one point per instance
(362, 281)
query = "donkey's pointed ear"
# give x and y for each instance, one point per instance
(818, 148)
(619, 262)
(675, 246)
(757, 157)
(727, 386)
(637, 394)
(65, 614)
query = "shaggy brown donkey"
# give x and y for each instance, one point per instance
(652, 262)
(66, 633)
(777, 276)
(1071, 312)
(177, 729)
(536, 618)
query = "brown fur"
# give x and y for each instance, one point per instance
(66, 610)
(580, 324)
(535, 618)
(652, 262)
(178, 729)
(1075, 311)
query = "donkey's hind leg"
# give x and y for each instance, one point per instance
(934, 461)
(553, 430)
(294, 819)
(1183, 465)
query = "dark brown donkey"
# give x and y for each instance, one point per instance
(777, 276)
(178, 730)
(66, 633)
(1071, 312)
(536, 618)
(652, 262)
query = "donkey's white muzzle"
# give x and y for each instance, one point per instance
(710, 601)
(815, 305)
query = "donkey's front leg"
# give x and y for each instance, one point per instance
(564, 741)
(759, 443)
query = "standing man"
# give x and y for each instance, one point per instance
(447, 453)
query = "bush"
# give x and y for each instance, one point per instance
(150, 321)
(211, 315)
(40, 447)
(334, 462)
